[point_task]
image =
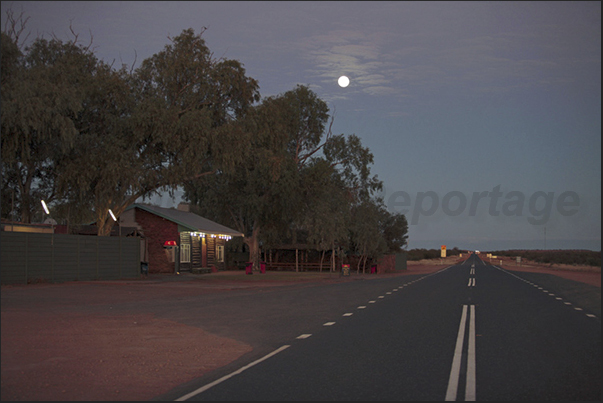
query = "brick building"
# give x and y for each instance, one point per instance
(200, 241)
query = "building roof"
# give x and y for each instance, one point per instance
(187, 220)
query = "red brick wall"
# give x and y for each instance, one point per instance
(157, 230)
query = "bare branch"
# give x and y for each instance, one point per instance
(14, 27)
(301, 161)
(203, 174)
(75, 36)
(134, 63)
(91, 40)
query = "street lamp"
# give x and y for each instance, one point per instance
(48, 214)
(115, 219)
(45, 207)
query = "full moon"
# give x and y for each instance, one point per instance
(343, 81)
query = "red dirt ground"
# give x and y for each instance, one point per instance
(53, 353)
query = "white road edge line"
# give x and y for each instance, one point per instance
(226, 377)
(453, 381)
(470, 383)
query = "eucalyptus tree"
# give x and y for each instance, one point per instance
(295, 175)
(374, 231)
(394, 229)
(168, 121)
(353, 164)
(102, 168)
(42, 95)
(339, 180)
(327, 215)
(261, 197)
(77, 130)
(257, 196)
(366, 238)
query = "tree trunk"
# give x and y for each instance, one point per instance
(104, 223)
(254, 247)
(322, 257)
(26, 201)
(333, 260)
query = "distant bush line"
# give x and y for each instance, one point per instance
(557, 256)
(420, 254)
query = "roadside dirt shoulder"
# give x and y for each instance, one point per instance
(584, 274)
(66, 356)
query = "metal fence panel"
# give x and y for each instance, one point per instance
(13, 256)
(65, 258)
(130, 257)
(108, 263)
(39, 261)
(32, 257)
(88, 258)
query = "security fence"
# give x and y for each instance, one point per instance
(35, 257)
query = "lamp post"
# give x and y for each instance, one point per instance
(115, 219)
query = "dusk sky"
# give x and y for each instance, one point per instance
(484, 118)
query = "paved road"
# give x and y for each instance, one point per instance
(469, 332)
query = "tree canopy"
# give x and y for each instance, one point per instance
(43, 92)
(87, 137)
(78, 132)
(298, 176)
